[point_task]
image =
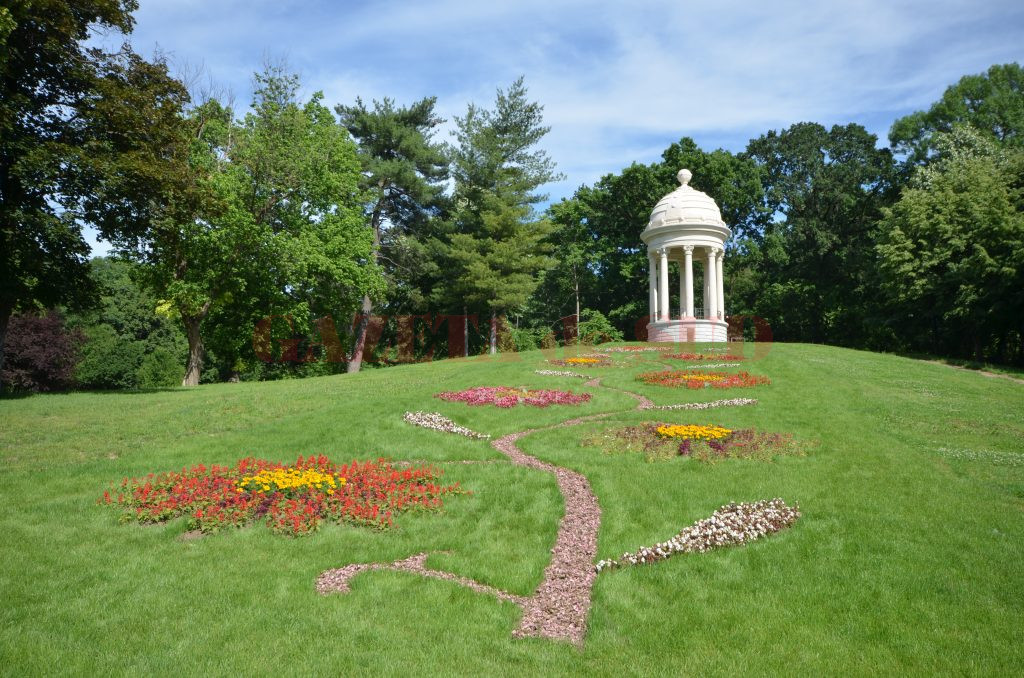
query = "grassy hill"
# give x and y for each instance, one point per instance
(908, 556)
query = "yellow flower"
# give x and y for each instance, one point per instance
(692, 431)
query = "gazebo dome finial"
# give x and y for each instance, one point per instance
(684, 176)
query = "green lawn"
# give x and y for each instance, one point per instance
(909, 557)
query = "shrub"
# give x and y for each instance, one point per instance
(40, 353)
(109, 361)
(548, 340)
(595, 328)
(160, 369)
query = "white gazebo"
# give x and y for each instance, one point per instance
(686, 225)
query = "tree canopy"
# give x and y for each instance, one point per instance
(47, 76)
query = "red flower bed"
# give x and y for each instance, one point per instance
(703, 356)
(504, 396)
(292, 499)
(702, 379)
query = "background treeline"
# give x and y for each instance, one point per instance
(289, 230)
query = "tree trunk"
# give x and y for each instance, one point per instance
(577, 304)
(195, 350)
(360, 345)
(5, 318)
(465, 332)
(357, 350)
(494, 333)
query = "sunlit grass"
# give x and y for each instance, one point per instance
(908, 557)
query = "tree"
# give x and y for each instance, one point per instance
(125, 332)
(261, 216)
(403, 172)
(577, 248)
(952, 248)
(45, 78)
(826, 188)
(498, 245)
(991, 102)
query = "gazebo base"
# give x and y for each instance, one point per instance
(688, 331)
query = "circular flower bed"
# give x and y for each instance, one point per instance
(504, 396)
(693, 379)
(583, 361)
(703, 356)
(292, 499)
(634, 349)
(731, 525)
(709, 442)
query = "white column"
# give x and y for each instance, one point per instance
(721, 283)
(663, 284)
(688, 282)
(652, 285)
(704, 267)
(712, 285)
(682, 291)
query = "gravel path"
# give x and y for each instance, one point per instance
(337, 581)
(558, 608)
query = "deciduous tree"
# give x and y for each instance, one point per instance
(46, 75)
(990, 102)
(952, 248)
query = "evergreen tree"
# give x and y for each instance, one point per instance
(404, 171)
(498, 244)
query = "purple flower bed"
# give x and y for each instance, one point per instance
(505, 396)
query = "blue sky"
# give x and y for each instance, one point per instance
(619, 81)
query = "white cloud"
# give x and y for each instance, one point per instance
(619, 81)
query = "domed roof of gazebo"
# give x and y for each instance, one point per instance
(685, 205)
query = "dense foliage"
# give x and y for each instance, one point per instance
(294, 241)
(128, 343)
(40, 353)
(47, 80)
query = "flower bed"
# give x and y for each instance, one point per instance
(731, 402)
(703, 356)
(583, 361)
(504, 396)
(634, 349)
(291, 499)
(561, 373)
(439, 422)
(731, 525)
(693, 379)
(707, 443)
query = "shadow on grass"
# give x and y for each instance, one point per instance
(19, 395)
(994, 368)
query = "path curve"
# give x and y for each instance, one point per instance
(558, 608)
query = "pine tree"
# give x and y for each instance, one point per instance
(404, 170)
(498, 245)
